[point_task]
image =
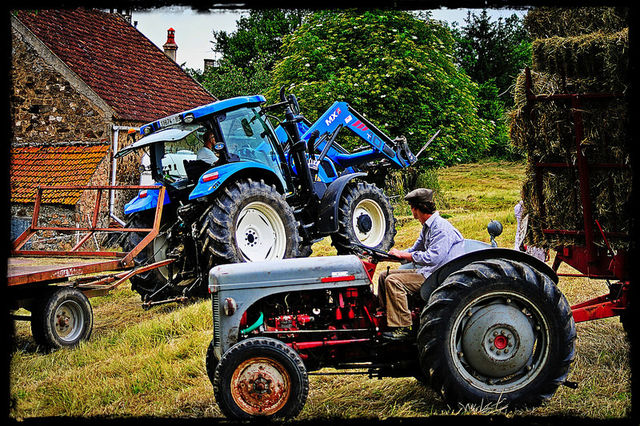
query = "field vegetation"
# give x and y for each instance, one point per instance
(152, 363)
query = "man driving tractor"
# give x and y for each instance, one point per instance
(438, 242)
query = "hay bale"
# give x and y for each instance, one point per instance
(600, 60)
(545, 22)
(546, 132)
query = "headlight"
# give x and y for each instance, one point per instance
(188, 118)
(229, 306)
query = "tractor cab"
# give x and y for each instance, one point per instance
(242, 135)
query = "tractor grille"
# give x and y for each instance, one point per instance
(217, 333)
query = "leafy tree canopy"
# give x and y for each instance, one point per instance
(258, 35)
(396, 68)
(492, 51)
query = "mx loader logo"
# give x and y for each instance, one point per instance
(332, 117)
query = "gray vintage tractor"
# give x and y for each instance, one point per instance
(492, 327)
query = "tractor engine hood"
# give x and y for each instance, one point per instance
(312, 272)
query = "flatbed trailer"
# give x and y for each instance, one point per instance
(55, 285)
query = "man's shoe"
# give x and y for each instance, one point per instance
(398, 334)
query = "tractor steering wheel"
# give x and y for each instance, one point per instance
(378, 255)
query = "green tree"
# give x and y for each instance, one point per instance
(492, 53)
(258, 35)
(248, 54)
(396, 68)
(227, 80)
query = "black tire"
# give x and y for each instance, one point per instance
(467, 363)
(211, 362)
(249, 221)
(260, 377)
(365, 216)
(146, 283)
(626, 320)
(63, 319)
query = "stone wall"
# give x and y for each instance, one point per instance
(45, 107)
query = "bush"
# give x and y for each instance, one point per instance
(396, 69)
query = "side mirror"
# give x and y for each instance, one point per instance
(494, 228)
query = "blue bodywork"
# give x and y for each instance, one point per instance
(145, 200)
(204, 188)
(205, 110)
(338, 116)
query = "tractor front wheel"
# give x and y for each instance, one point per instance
(260, 378)
(365, 216)
(497, 331)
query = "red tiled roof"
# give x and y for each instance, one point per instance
(53, 165)
(118, 62)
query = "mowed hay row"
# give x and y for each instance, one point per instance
(546, 131)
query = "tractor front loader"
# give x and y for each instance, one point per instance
(272, 192)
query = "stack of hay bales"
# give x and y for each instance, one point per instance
(574, 62)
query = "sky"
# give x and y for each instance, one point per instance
(194, 31)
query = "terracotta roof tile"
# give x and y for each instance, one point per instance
(46, 165)
(118, 62)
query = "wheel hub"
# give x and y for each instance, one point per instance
(369, 223)
(68, 321)
(364, 223)
(498, 340)
(260, 386)
(260, 233)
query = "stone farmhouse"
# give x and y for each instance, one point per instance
(82, 83)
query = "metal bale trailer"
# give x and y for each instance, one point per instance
(55, 285)
(589, 259)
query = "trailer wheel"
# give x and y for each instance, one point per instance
(250, 221)
(497, 331)
(260, 378)
(64, 319)
(365, 216)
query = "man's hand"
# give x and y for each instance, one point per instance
(401, 254)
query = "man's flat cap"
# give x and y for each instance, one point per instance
(420, 195)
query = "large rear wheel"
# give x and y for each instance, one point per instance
(497, 331)
(149, 282)
(250, 221)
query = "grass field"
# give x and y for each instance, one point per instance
(152, 363)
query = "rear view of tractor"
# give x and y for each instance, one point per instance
(273, 190)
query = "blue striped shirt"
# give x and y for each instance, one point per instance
(438, 243)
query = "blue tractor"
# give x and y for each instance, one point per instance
(272, 191)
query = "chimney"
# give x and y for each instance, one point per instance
(170, 46)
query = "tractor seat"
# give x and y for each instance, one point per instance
(195, 169)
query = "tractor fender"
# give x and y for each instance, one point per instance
(213, 178)
(145, 200)
(478, 251)
(328, 216)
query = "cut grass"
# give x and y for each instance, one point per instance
(152, 363)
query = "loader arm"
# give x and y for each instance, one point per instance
(382, 146)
